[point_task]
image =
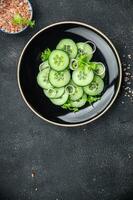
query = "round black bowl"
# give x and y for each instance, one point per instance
(28, 70)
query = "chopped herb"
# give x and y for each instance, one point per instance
(67, 106)
(19, 20)
(82, 59)
(92, 99)
(45, 54)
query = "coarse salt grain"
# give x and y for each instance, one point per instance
(129, 156)
(129, 56)
(129, 83)
(126, 79)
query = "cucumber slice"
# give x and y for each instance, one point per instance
(95, 87)
(60, 101)
(82, 76)
(59, 79)
(80, 102)
(73, 64)
(58, 60)
(103, 75)
(42, 79)
(54, 92)
(100, 69)
(50, 93)
(68, 46)
(78, 93)
(70, 89)
(43, 65)
(84, 48)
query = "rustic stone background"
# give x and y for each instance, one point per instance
(39, 161)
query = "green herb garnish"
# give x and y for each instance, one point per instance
(67, 106)
(45, 54)
(19, 20)
(83, 61)
(91, 99)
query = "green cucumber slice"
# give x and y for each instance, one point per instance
(58, 60)
(100, 69)
(42, 79)
(95, 87)
(80, 102)
(85, 49)
(54, 92)
(59, 79)
(78, 93)
(50, 93)
(68, 46)
(44, 65)
(103, 75)
(82, 76)
(60, 101)
(70, 89)
(73, 64)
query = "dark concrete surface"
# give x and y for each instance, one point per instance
(39, 161)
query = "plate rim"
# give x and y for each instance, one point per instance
(119, 65)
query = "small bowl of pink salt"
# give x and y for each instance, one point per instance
(15, 16)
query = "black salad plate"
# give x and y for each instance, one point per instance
(28, 70)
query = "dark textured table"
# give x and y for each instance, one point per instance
(39, 161)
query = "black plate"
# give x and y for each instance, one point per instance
(30, 60)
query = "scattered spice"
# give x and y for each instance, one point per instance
(129, 56)
(33, 173)
(11, 8)
(128, 80)
(129, 156)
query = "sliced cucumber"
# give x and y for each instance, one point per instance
(102, 76)
(42, 79)
(59, 79)
(73, 64)
(68, 76)
(68, 46)
(50, 93)
(54, 92)
(43, 65)
(80, 102)
(82, 76)
(70, 89)
(100, 69)
(78, 92)
(95, 87)
(84, 48)
(58, 60)
(60, 101)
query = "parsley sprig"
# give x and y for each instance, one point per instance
(45, 54)
(19, 20)
(67, 106)
(91, 99)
